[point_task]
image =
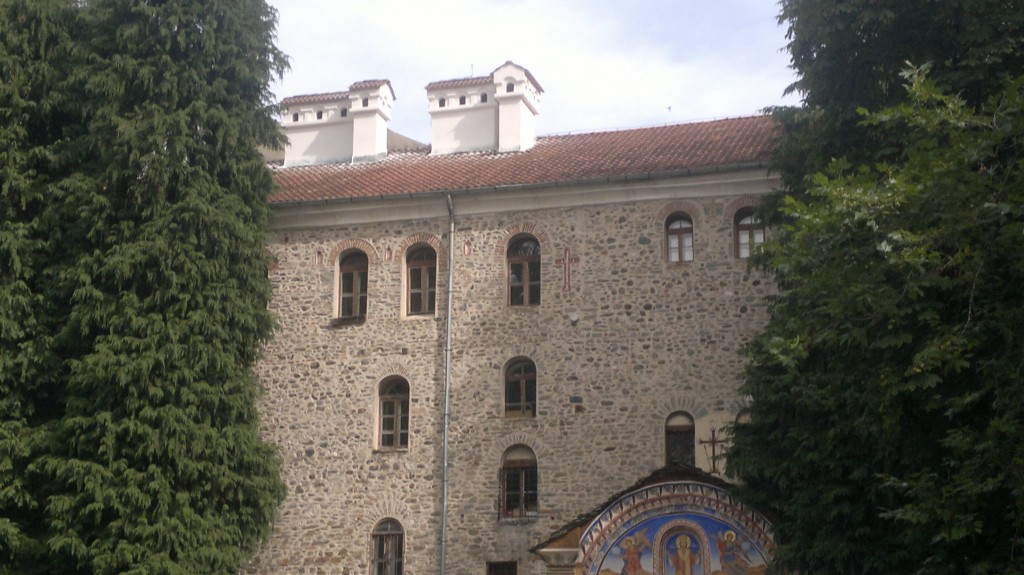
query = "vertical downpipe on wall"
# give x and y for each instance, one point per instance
(447, 382)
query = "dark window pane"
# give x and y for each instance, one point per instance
(388, 548)
(516, 274)
(512, 392)
(679, 447)
(503, 568)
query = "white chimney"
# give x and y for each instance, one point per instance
(484, 113)
(347, 126)
(518, 96)
(371, 102)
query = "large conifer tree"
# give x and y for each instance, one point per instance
(41, 127)
(135, 208)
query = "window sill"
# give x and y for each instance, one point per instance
(390, 450)
(518, 415)
(420, 316)
(530, 517)
(343, 321)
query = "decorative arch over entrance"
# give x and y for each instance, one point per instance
(676, 528)
(677, 521)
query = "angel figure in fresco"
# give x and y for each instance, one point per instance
(684, 559)
(731, 555)
(632, 549)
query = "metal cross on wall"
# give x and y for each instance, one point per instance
(566, 262)
(714, 442)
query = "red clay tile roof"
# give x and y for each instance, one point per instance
(335, 96)
(529, 76)
(461, 82)
(639, 153)
(480, 80)
(372, 84)
(314, 98)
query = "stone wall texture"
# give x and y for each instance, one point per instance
(621, 340)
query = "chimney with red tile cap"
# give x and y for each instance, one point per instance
(349, 126)
(496, 112)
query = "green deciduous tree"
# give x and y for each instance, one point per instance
(848, 54)
(133, 292)
(886, 427)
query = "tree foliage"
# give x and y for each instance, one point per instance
(848, 54)
(133, 288)
(886, 428)
(882, 433)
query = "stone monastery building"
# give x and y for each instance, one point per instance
(503, 354)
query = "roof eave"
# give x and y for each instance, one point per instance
(633, 177)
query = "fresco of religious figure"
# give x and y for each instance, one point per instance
(632, 550)
(685, 558)
(731, 556)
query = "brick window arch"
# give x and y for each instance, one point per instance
(679, 237)
(421, 281)
(394, 414)
(524, 271)
(388, 541)
(680, 440)
(352, 273)
(748, 232)
(518, 479)
(521, 388)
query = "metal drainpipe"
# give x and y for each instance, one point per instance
(447, 381)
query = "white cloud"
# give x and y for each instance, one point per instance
(602, 64)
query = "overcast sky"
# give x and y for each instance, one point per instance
(603, 64)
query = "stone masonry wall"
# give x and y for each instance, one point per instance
(650, 338)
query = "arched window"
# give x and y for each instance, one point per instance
(352, 300)
(421, 281)
(518, 482)
(524, 271)
(749, 232)
(388, 548)
(483, 97)
(344, 112)
(520, 388)
(679, 238)
(510, 87)
(394, 413)
(680, 442)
